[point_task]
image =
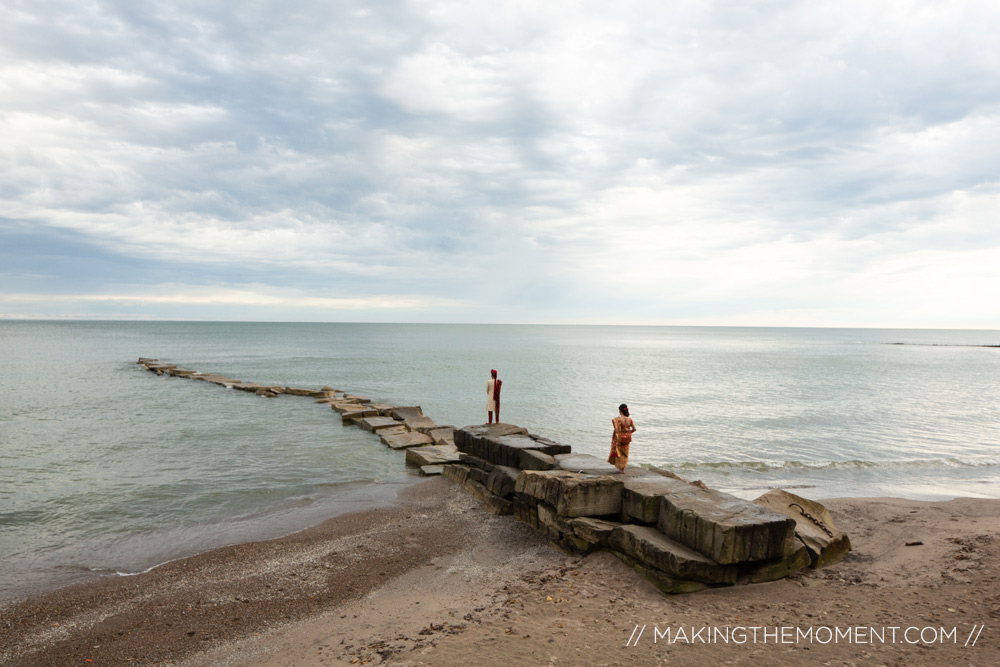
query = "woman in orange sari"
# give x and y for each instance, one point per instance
(621, 439)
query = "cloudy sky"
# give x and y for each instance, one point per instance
(751, 163)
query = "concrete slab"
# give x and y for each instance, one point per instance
(353, 415)
(404, 440)
(824, 548)
(374, 424)
(584, 463)
(641, 496)
(573, 494)
(650, 546)
(429, 470)
(431, 455)
(721, 526)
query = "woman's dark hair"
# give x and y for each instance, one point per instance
(623, 409)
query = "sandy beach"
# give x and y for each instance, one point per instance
(435, 580)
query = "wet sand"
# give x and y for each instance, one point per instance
(435, 580)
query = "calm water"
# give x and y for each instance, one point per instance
(106, 468)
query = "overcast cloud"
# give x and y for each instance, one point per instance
(760, 163)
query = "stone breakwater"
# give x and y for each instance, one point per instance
(680, 535)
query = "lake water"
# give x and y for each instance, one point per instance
(108, 469)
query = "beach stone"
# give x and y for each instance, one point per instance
(432, 455)
(361, 412)
(823, 549)
(404, 440)
(653, 548)
(374, 424)
(442, 435)
(430, 470)
(641, 496)
(584, 463)
(573, 494)
(721, 526)
(502, 481)
(595, 531)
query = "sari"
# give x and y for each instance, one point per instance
(620, 442)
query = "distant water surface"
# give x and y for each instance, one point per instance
(106, 468)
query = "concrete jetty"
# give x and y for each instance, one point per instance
(681, 535)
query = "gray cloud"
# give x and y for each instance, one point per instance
(717, 162)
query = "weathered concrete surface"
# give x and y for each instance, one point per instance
(502, 480)
(595, 531)
(430, 470)
(641, 496)
(362, 411)
(431, 455)
(652, 547)
(420, 424)
(532, 459)
(725, 528)
(550, 521)
(392, 430)
(296, 391)
(405, 440)
(342, 406)
(796, 557)
(442, 435)
(404, 412)
(823, 549)
(357, 398)
(573, 494)
(383, 408)
(661, 580)
(220, 380)
(376, 423)
(584, 463)
(476, 462)
(503, 443)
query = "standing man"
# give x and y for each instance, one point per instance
(493, 396)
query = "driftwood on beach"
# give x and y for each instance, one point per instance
(681, 535)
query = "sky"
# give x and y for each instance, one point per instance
(764, 163)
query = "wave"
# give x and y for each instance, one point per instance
(853, 464)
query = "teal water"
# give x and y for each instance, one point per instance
(108, 469)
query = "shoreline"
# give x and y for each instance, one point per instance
(432, 576)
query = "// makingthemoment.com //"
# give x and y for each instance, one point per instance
(822, 634)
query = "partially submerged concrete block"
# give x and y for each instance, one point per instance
(431, 455)
(404, 440)
(721, 526)
(349, 415)
(420, 424)
(430, 470)
(573, 494)
(392, 430)
(377, 423)
(825, 548)
(652, 547)
(402, 413)
(641, 496)
(357, 398)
